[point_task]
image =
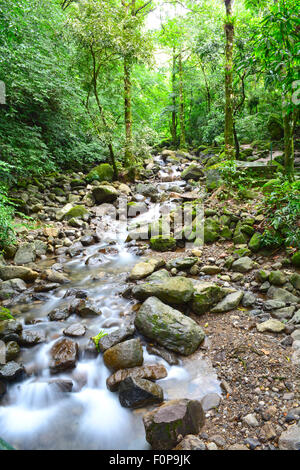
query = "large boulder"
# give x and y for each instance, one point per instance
(104, 193)
(168, 424)
(206, 295)
(8, 272)
(168, 327)
(64, 354)
(124, 355)
(137, 393)
(175, 290)
(151, 372)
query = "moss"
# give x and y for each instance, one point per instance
(255, 242)
(76, 211)
(296, 259)
(103, 172)
(161, 243)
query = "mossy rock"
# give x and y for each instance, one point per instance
(161, 243)
(103, 172)
(77, 211)
(255, 242)
(296, 259)
(211, 230)
(270, 186)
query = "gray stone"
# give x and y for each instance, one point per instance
(210, 401)
(243, 265)
(124, 355)
(115, 337)
(168, 327)
(230, 302)
(137, 393)
(290, 439)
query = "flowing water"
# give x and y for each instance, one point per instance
(37, 416)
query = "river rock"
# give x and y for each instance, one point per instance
(32, 337)
(168, 356)
(182, 263)
(175, 290)
(284, 313)
(295, 280)
(290, 439)
(12, 350)
(20, 272)
(104, 193)
(145, 268)
(151, 372)
(75, 330)
(168, 327)
(115, 337)
(169, 423)
(25, 254)
(277, 278)
(274, 326)
(230, 302)
(124, 355)
(210, 401)
(87, 309)
(190, 442)
(11, 371)
(206, 295)
(243, 265)
(137, 393)
(9, 330)
(277, 293)
(64, 354)
(192, 172)
(11, 287)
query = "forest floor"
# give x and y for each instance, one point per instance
(258, 371)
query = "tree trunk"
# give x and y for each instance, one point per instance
(288, 126)
(236, 143)
(181, 103)
(174, 112)
(229, 32)
(129, 160)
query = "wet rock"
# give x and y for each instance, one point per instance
(11, 371)
(2, 389)
(172, 421)
(277, 293)
(274, 326)
(148, 190)
(296, 318)
(54, 276)
(32, 337)
(206, 295)
(168, 356)
(137, 393)
(124, 355)
(115, 337)
(64, 354)
(230, 302)
(145, 268)
(11, 287)
(274, 304)
(151, 372)
(12, 350)
(20, 272)
(87, 309)
(59, 314)
(176, 290)
(210, 401)
(295, 280)
(61, 385)
(75, 330)
(243, 265)
(190, 442)
(168, 327)
(9, 329)
(104, 193)
(290, 439)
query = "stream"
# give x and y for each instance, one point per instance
(34, 415)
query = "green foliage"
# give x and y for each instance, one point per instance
(5, 314)
(6, 218)
(281, 207)
(97, 338)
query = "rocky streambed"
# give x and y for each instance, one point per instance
(204, 339)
